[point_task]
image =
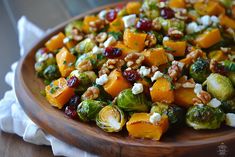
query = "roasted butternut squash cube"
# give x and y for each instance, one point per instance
(65, 61)
(125, 50)
(155, 56)
(133, 7)
(69, 43)
(86, 21)
(208, 38)
(217, 55)
(178, 47)
(177, 4)
(116, 83)
(55, 42)
(116, 26)
(139, 126)
(134, 40)
(227, 21)
(162, 91)
(209, 8)
(58, 93)
(184, 96)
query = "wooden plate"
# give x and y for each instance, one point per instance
(90, 138)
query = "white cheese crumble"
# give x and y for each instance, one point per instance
(109, 41)
(166, 38)
(154, 118)
(137, 88)
(156, 75)
(144, 71)
(215, 19)
(102, 14)
(205, 20)
(97, 50)
(129, 20)
(197, 89)
(170, 56)
(44, 57)
(200, 105)
(214, 103)
(102, 79)
(179, 64)
(193, 27)
(230, 119)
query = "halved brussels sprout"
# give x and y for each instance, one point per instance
(228, 106)
(91, 74)
(204, 117)
(128, 101)
(172, 23)
(176, 114)
(231, 76)
(220, 87)
(200, 70)
(39, 68)
(111, 118)
(88, 109)
(85, 46)
(51, 72)
(74, 24)
(150, 9)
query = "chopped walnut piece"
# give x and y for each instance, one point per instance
(181, 13)
(150, 40)
(101, 37)
(97, 25)
(77, 34)
(225, 50)
(184, 82)
(111, 64)
(202, 98)
(215, 67)
(91, 93)
(156, 24)
(84, 65)
(175, 70)
(175, 34)
(134, 60)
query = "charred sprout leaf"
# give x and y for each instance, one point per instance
(204, 117)
(220, 87)
(85, 46)
(229, 65)
(228, 106)
(200, 70)
(111, 118)
(73, 25)
(103, 96)
(116, 35)
(88, 109)
(127, 101)
(51, 72)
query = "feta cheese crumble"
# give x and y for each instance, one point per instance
(129, 20)
(154, 118)
(205, 20)
(230, 119)
(102, 79)
(170, 56)
(144, 71)
(214, 103)
(102, 14)
(109, 41)
(197, 89)
(137, 88)
(156, 75)
(166, 38)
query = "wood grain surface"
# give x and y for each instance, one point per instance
(183, 142)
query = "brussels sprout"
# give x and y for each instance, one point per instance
(84, 80)
(228, 106)
(85, 46)
(39, 68)
(172, 23)
(103, 95)
(204, 117)
(226, 3)
(175, 113)
(150, 9)
(220, 87)
(127, 101)
(111, 118)
(229, 65)
(231, 76)
(51, 73)
(91, 74)
(200, 70)
(88, 109)
(74, 24)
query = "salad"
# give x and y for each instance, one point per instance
(147, 66)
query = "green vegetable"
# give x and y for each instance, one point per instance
(85, 46)
(74, 24)
(122, 12)
(103, 95)
(228, 106)
(220, 87)
(88, 109)
(51, 72)
(116, 35)
(229, 65)
(204, 117)
(110, 118)
(150, 9)
(172, 23)
(231, 76)
(176, 114)
(127, 101)
(91, 74)
(200, 70)
(226, 3)
(39, 68)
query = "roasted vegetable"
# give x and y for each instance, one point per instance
(229, 65)
(231, 76)
(228, 106)
(86, 23)
(208, 8)
(220, 87)
(204, 117)
(155, 56)
(172, 23)
(55, 42)
(217, 55)
(200, 70)
(133, 7)
(88, 109)
(177, 4)
(51, 73)
(177, 47)
(103, 95)
(181, 99)
(150, 9)
(111, 118)
(77, 24)
(227, 21)
(128, 101)
(85, 46)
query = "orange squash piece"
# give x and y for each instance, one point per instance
(209, 8)
(134, 40)
(178, 47)
(217, 55)
(55, 42)
(227, 21)
(139, 126)
(184, 97)
(162, 91)
(177, 4)
(58, 93)
(86, 21)
(69, 43)
(155, 56)
(125, 50)
(65, 61)
(208, 38)
(133, 7)
(116, 26)
(116, 83)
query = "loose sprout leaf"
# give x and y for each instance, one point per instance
(116, 35)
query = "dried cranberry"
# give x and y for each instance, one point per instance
(112, 52)
(218, 68)
(144, 25)
(167, 13)
(111, 15)
(131, 75)
(71, 111)
(73, 82)
(75, 100)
